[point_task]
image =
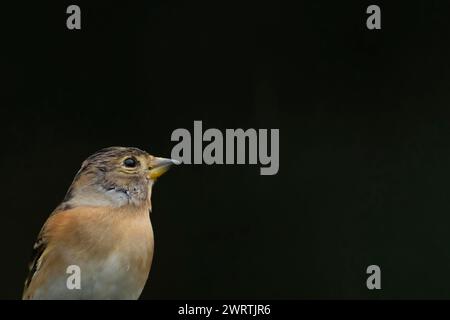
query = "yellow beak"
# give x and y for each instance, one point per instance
(159, 166)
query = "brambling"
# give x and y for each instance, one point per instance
(102, 227)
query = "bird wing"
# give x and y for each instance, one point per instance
(37, 255)
(53, 235)
(39, 248)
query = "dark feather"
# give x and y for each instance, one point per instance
(38, 249)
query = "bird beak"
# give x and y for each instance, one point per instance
(159, 166)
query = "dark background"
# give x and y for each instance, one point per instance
(364, 139)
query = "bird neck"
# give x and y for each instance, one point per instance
(97, 196)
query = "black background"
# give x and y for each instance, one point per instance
(364, 130)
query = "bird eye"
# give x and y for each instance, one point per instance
(130, 162)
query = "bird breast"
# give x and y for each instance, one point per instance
(113, 247)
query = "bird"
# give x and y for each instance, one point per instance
(102, 227)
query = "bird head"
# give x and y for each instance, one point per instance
(117, 176)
